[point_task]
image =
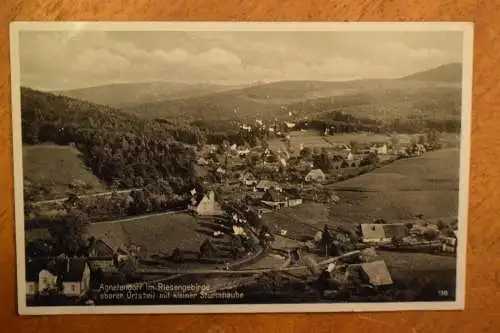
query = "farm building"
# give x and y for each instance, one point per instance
(247, 178)
(76, 279)
(348, 156)
(382, 233)
(380, 149)
(201, 161)
(103, 252)
(43, 276)
(265, 185)
(277, 199)
(206, 205)
(221, 171)
(374, 273)
(243, 152)
(315, 175)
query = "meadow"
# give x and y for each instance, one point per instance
(157, 233)
(57, 167)
(426, 185)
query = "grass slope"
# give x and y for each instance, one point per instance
(57, 167)
(425, 185)
(156, 234)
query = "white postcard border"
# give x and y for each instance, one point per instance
(467, 28)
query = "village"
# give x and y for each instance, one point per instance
(243, 243)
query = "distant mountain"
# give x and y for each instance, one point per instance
(435, 91)
(129, 94)
(445, 73)
(379, 99)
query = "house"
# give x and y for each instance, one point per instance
(293, 197)
(315, 175)
(419, 149)
(276, 199)
(33, 269)
(69, 277)
(243, 152)
(76, 278)
(375, 273)
(347, 155)
(204, 205)
(247, 178)
(264, 185)
(382, 233)
(246, 127)
(101, 255)
(344, 147)
(380, 149)
(201, 161)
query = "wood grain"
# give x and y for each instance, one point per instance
(482, 312)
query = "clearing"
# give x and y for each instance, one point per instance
(57, 167)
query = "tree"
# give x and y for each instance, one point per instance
(68, 232)
(370, 159)
(354, 145)
(422, 139)
(323, 161)
(430, 234)
(73, 201)
(141, 203)
(306, 153)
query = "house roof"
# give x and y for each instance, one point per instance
(375, 272)
(267, 183)
(371, 231)
(102, 248)
(246, 174)
(315, 173)
(274, 195)
(76, 270)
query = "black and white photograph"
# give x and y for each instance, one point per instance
(240, 167)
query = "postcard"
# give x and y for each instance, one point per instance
(221, 167)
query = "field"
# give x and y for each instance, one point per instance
(426, 185)
(157, 234)
(57, 167)
(314, 139)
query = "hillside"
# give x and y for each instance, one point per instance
(376, 99)
(57, 168)
(445, 73)
(128, 94)
(427, 185)
(119, 148)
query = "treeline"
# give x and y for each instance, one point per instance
(424, 125)
(121, 149)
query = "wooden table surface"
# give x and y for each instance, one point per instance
(482, 312)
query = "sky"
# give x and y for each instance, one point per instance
(59, 60)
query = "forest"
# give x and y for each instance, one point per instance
(122, 150)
